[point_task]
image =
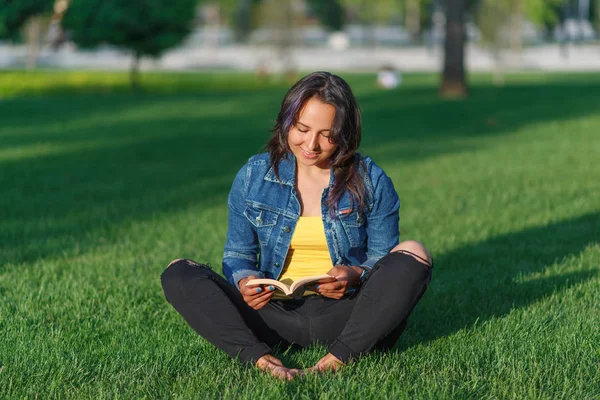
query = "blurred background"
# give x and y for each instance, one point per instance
(284, 36)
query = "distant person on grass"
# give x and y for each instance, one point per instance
(311, 205)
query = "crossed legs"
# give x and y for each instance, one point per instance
(374, 318)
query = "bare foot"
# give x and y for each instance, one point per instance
(327, 363)
(271, 364)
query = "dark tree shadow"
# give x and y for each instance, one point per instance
(478, 282)
(123, 157)
(103, 168)
(414, 123)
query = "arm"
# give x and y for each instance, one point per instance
(382, 236)
(382, 223)
(240, 256)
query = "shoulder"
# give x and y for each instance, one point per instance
(259, 159)
(369, 170)
(377, 182)
(256, 162)
(257, 165)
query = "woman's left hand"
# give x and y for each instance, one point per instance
(346, 276)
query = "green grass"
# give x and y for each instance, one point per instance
(101, 188)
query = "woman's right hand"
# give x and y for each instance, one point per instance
(256, 296)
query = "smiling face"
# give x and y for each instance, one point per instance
(309, 138)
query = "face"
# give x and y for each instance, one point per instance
(309, 139)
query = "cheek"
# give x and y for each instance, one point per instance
(294, 138)
(328, 147)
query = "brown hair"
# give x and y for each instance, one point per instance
(345, 133)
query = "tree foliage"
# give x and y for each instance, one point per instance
(329, 12)
(146, 27)
(14, 14)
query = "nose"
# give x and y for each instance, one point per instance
(313, 142)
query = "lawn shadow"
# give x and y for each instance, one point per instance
(72, 166)
(72, 174)
(478, 282)
(413, 123)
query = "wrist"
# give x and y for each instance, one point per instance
(356, 274)
(243, 281)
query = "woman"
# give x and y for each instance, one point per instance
(311, 205)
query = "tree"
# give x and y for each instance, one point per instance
(14, 14)
(145, 27)
(453, 75)
(329, 12)
(18, 14)
(500, 24)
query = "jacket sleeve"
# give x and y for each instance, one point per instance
(382, 223)
(240, 256)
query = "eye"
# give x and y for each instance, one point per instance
(325, 135)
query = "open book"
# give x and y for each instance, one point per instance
(290, 289)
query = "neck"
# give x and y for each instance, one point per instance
(313, 173)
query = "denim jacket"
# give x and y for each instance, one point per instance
(263, 213)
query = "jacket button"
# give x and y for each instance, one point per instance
(258, 220)
(287, 229)
(276, 265)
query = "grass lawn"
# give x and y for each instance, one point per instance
(101, 188)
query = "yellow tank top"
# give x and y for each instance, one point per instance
(308, 254)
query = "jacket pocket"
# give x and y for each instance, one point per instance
(353, 223)
(263, 222)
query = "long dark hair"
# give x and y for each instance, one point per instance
(345, 133)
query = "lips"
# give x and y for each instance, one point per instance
(310, 155)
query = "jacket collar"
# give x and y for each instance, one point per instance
(287, 172)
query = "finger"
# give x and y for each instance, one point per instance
(326, 280)
(336, 285)
(333, 293)
(261, 302)
(259, 298)
(265, 293)
(340, 290)
(254, 291)
(252, 298)
(337, 290)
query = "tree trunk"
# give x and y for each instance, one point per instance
(516, 39)
(453, 76)
(243, 18)
(134, 72)
(34, 33)
(413, 18)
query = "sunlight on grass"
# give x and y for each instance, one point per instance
(102, 188)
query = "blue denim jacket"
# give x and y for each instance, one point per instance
(263, 213)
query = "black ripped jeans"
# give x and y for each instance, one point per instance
(372, 317)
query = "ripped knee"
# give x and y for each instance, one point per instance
(176, 261)
(415, 250)
(186, 261)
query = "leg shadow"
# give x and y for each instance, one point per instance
(490, 279)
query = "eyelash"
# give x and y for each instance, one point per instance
(322, 134)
